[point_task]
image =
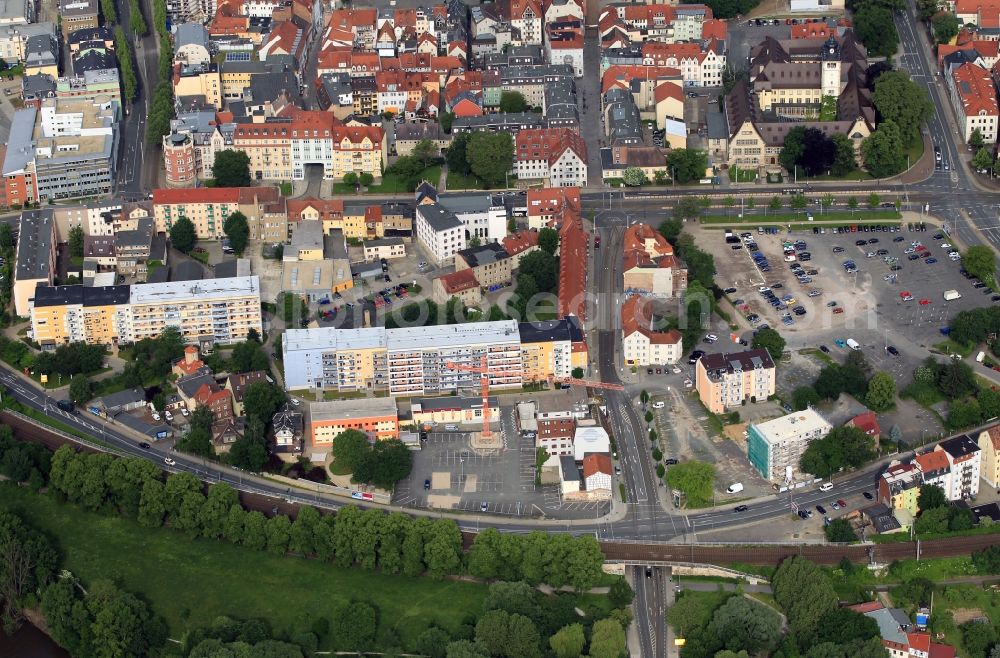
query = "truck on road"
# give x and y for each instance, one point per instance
(853, 344)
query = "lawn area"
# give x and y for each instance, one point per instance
(200, 256)
(457, 181)
(544, 310)
(390, 184)
(950, 346)
(190, 582)
(737, 175)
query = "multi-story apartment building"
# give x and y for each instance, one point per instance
(207, 311)
(14, 39)
(547, 348)
(67, 149)
(975, 101)
(208, 208)
(935, 469)
(650, 267)
(564, 43)
(989, 448)
(899, 487)
(725, 381)
(280, 147)
(77, 15)
(212, 310)
(557, 156)
(776, 446)
(440, 231)
(72, 314)
(642, 343)
(556, 436)
(35, 257)
(409, 361)
(375, 417)
(965, 462)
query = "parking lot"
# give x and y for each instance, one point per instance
(881, 307)
(449, 474)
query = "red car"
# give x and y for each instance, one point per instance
(838, 310)
(905, 293)
(925, 302)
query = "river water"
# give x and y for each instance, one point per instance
(29, 642)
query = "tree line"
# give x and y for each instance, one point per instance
(488, 156)
(393, 543)
(969, 404)
(162, 105)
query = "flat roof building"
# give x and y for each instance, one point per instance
(35, 258)
(775, 447)
(375, 417)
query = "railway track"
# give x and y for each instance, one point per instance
(638, 552)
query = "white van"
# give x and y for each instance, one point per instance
(736, 487)
(950, 295)
(451, 428)
(826, 486)
(853, 344)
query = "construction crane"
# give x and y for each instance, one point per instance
(573, 381)
(484, 380)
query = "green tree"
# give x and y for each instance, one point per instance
(255, 530)
(883, 151)
(6, 236)
(568, 641)
(743, 625)
(804, 592)
(464, 649)
(804, 396)
(932, 521)
(687, 165)
(215, 511)
(137, 24)
(844, 158)
(504, 635)
(548, 240)
(775, 203)
(980, 262)
(249, 452)
(686, 208)
(930, 497)
(543, 268)
(80, 390)
(351, 179)
(182, 235)
(875, 28)
(76, 242)
(695, 479)
(350, 448)
(237, 230)
(433, 642)
(512, 102)
(262, 400)
(881, 392)
(231, 169)
(426, 151)
(457, 155)
(634, 177)
(248, 356)
(986, 561)
(353, 626)
(491, 156)
(442, 548)
(978, 638)
(982, 160)
(843, 448)
(621, 593)
(671, 229)
(278, 531)
(840, 530)
(366, 179)
(852, 203)
(946, 27)
(770, 340)
(903, 102)
(607, 640)
(976, 139)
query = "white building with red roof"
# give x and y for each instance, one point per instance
(975, 101)
(557, 156)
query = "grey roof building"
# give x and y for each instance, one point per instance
(35, 256)
(37, 87)
(486, 254)
(41, 50)
(127, 400)
(438, 217)
(93, 60)
(498, 122)
(83, 295)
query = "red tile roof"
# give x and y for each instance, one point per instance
(646, 238)
(941, 651)
(165, 196)
(459, 281)
(553, 202)
(812, 31)
(622, 75)
(935, 460)
(994, 434)
(975, 90)
(919, 641)
(714, 29)
(596, 462)
(637, 315)
(573, 244)
(868, 606)
(327, 208)
(515, 243)
(867, 423)
(548, 144)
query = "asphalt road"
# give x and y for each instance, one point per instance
(650, 610)
(139, 163)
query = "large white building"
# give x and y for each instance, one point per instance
(775, 446)
(965, 466)
(641, 345)
(440, 231)
(408, 361)
(557, 156)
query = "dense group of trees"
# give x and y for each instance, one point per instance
(146, 362)
(231, 168)
(811, 152)
(536, 557)
(70, 359)
(899, 99)
(695, 479)
(183, 235)
(513, 102)
(383, 463)
(954, 381)
(237, 231)
(488, 156)
(936, 516)
(162, 106)
(28, 561)
(687, 165)
(851, 377)
(842, 449)
(23, 462)
(537, 273)
(770, 340)
(227, 637)
(126, 65)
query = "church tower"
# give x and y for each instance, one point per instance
(830, 61)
